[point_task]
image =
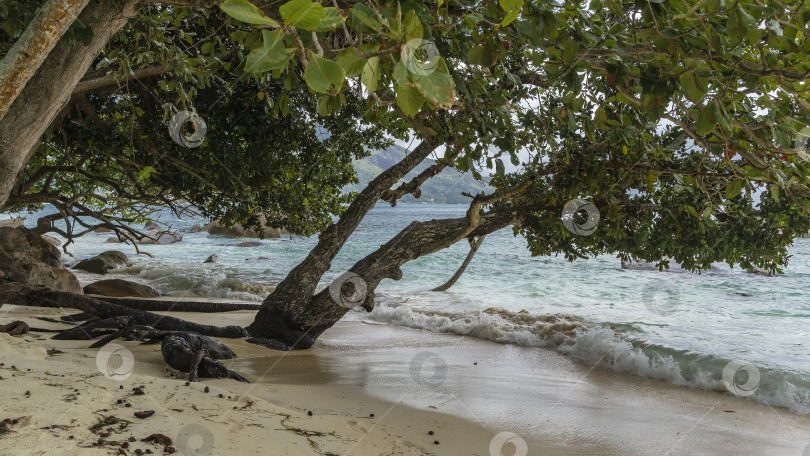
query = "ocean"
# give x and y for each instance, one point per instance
(724, 329)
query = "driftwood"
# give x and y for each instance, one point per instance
(185, 345)
(180, 306)
(26, 295)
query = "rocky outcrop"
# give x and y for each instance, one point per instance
(52, 240)
(238, 230)
(152, 226)
(248, 244)
(121, 288)
(28, 258)
(103, 262)
(212, 259)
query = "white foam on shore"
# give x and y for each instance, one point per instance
(598, 345)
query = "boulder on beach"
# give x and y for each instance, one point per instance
(26, 257)
(155, 238)
(152, 226)
(212, 259)
(103, 262)
(121, 288)
(237, 230)
(52, 240)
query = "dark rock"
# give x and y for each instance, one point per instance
(212, 259)
(248, 244)
(144, 414)
(103, 262)
(121, 288)
(159, 439)
(28, 258)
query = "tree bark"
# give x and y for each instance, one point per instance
(50, 88)
(286, 314)
(33, 46)
(416, 240)
(473, 248)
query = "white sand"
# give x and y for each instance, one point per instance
(412, 381)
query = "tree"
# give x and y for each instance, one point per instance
(678, 123)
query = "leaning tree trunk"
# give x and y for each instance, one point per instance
(50, 88)
(286, 313)
(33, 46)
(416, 240)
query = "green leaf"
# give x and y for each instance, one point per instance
(324, 76)
(512, 8)
(413, 26)
(600, 118)
(570, 48)
(694, 86)
(482, 55)
(331, 20)
(409, 99)
(437, 86)
(371, 74)
(366, 15)
(304, 14)
(706, 119)
(272, 55)
(352, 63)
(733, 189)
(246, 12)
(499, 168)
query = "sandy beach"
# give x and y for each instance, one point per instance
(371, 389)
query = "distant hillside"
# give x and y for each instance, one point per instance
(445, 188)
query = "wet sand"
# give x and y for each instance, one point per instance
(470, 392)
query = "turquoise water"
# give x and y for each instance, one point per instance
(677, 326)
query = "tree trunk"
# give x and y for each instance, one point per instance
(33, 46)
(50, 88)
(473, 248)
(286, 315)
(322, 311)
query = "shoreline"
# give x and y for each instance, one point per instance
(466, 390)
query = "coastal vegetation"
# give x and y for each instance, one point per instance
(677, 128)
